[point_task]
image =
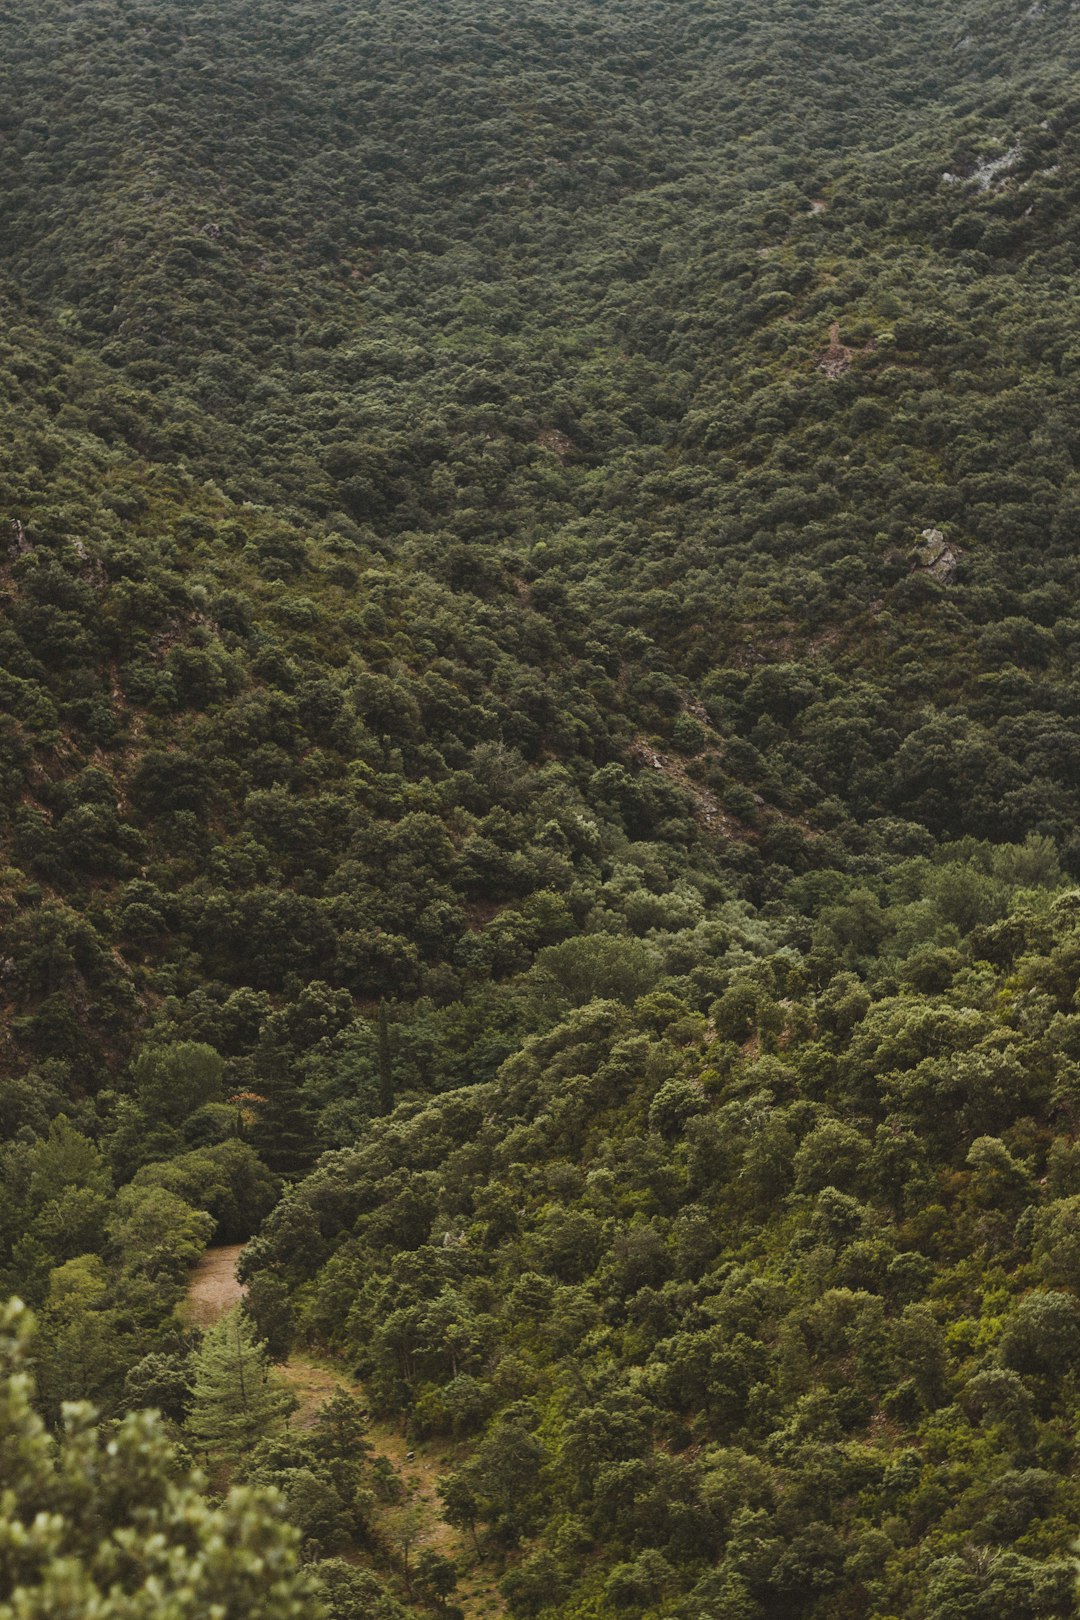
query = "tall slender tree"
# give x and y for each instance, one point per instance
(236, 1399)
(386, 1061)
(284, 1129)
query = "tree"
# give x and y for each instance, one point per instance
(597, 966)
(458, 1493)
(350, 1593)
(386, 1061)
(228, 1179)
(404, 1527)
(1042, 1335)
(340, 1428)
(436, 1576)
(534, 1585)
(63, 1159)
(235, 1397)
(505, 1472)
(156, 1233)
(162, 1381)
(284, 1129)
(109, 1524)
(171, 1082)
(267, 1304)
(1057, 1251)
(984, 1583)
(80, 1350)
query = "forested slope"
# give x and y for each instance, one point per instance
(539, 584)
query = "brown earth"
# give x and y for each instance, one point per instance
(213, 1287)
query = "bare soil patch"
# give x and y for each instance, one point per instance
(214, 1287)
(419, 1467)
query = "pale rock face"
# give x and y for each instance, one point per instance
(986, 171)
(936, 555)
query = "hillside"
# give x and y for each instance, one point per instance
(540, 742)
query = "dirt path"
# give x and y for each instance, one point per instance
(213, 1287)
(213, 1290)
(419, 1467)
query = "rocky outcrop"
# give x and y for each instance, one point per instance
(933, 554)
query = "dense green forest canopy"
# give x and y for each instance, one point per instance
(540, 743)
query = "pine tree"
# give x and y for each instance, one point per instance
(236, 1399)
(386, 1062)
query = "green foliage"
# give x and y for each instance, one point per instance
(781, 1325)
(171, 1083)
(227, 1179)
(539, 706)
(110, 1523)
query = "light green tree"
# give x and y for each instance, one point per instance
(106, 1526)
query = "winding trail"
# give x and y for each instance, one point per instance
(214, 1289)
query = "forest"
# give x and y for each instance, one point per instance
(540, 795)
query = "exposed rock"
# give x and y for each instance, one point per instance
(935, 555)
(556, 442)
(983, 172)
(837, 357)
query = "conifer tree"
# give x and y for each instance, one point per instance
(236, 1399)
(386, 1062)
(284, 1130)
